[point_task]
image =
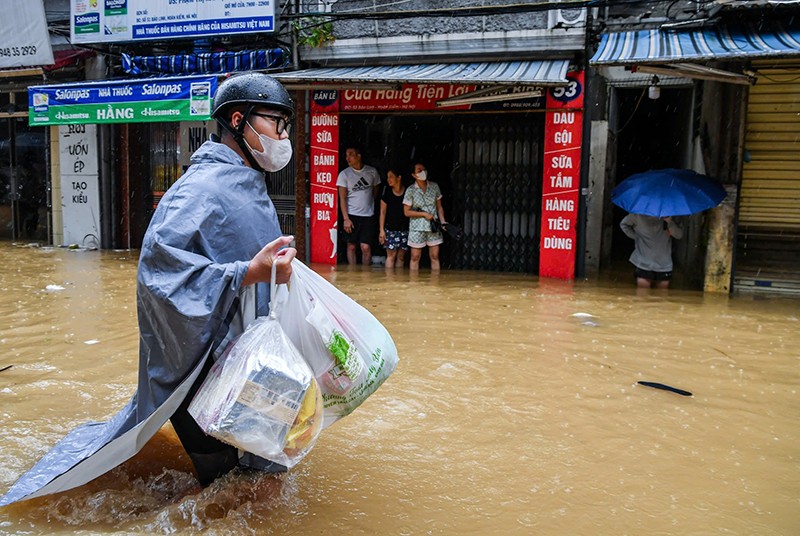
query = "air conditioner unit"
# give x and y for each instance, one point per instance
(321, 6)
(567, 18)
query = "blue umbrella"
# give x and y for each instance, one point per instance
(667, 192)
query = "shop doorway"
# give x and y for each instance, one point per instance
(399, 142)
(23, 181)
(650, 134)
(489, 171)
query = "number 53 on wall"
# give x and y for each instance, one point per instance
(571, 94)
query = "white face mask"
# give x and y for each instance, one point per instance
(276, 153)
(422, 175)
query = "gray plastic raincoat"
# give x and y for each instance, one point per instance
(190, 302)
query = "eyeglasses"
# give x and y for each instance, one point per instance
(281, 123)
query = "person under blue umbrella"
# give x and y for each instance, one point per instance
(653, 198)
(652, 254)
(668, 192)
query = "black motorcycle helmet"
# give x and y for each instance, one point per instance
(251, 88)
(248, 91)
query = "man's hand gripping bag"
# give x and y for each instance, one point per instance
(348, 349)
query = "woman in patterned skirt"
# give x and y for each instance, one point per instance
(393, 222)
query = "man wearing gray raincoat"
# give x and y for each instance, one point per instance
(204, 263)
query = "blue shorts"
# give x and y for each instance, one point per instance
(396, 240)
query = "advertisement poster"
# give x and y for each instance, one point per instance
(137, 101)
(324, 157)
(104, 21)
(563, 131)
(24, 39)
(80, 188)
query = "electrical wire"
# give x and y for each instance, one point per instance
(549, 4)
(633, 113)
(397, 2)
(777, 80)
(468, 11)
(371, 13)
(314, 19)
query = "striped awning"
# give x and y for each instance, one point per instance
(206, 62)
(542, 73)
(719, 42)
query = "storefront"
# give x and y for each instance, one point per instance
(23, 169)
(116, 146)
(742, 132)
(502, 139)
(25, 46)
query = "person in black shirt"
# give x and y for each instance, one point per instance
(393, 223)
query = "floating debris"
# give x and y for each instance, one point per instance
(91, 341)
(663, 387)
(53, 288)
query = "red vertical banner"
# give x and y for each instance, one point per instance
(563, 132)
(324, 168)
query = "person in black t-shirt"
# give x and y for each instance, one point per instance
(393, 223)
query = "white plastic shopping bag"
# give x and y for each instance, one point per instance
(350, 352)
(261, 395)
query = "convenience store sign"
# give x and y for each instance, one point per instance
(126, 101)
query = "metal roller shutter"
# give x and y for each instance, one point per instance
(499, 189)
(771, 180)
(768, 244)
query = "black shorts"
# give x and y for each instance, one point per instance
(652, 276)
(365, 230)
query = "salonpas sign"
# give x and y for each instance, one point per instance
(140, 101)
(107, 21)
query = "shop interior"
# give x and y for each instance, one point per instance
(488, 167)
(650, 134)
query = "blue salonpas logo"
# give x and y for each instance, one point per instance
(201, 90)
(88, 23)
(41, 102)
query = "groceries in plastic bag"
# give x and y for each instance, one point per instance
(348, 349)
(261, 396)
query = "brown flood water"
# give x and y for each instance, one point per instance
(509, 414)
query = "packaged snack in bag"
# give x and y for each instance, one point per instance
(350, 352)
(261, 396)
(347, 366)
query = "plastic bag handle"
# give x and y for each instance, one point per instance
(274, 289)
